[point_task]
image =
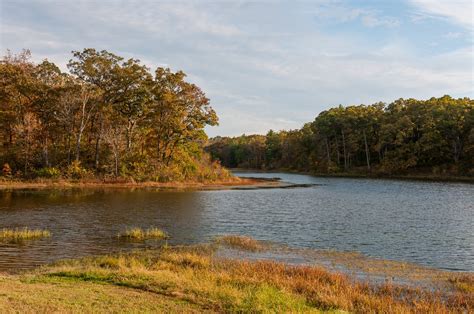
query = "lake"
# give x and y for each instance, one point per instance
(429, 223)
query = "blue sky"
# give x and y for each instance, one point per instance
(266, 64)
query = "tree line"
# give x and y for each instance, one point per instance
(108, 116)
(407, 136)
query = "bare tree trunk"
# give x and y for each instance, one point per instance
(85, 115)
(27, 157)
(116, 162)
(45, 152)
(78, 145)
(27, 152)
(171, 149)
(344, 150)
(327, 151)
(367, 153)
(68, 149)
(129, 134)
(457, 148)
(97, 144)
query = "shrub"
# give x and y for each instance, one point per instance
(76, 171)
(6, 170)
(48, 172)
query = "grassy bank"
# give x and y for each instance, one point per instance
(124, 184)
(194, 279)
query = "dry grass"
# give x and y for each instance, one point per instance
(223, 184)
(140, 234)
(464, 283)
(19, 234)
(194, 278)
(240, 242)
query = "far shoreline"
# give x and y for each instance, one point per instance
(425, 178)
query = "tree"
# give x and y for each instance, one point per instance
(178, 112)
(407, 136)
(26, 130)
(108, 113)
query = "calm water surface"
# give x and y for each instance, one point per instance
(424, 222)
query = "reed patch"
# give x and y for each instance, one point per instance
(194, 278)
(240, 242)
(141, 234)
(19, 234)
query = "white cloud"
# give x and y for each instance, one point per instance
(263, 64)
(336, 11)
(170, 17)
(452, 35)
(457, 11)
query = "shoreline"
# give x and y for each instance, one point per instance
(198, 278)
(237, 183)
(425, 178)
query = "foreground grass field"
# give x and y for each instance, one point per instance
(193, 279)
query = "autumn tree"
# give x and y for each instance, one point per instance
(405, 136)
(108, 114)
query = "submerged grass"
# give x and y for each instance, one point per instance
(19, 234)
(140, 234)
(195, 279)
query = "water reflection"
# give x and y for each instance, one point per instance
(428, 223)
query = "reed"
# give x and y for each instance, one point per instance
(240, 242)
(140, 234)
(195, 279)
(196, 275)
(19, 234)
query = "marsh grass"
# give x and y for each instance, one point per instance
(195, 275)
(464, 283)
(240, 242)
(140, 234)
(195, 278)
(19, 234)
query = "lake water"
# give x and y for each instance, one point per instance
(428, 223)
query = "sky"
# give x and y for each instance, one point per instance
(266, 64)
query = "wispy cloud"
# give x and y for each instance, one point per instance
(456, 11)
(342, 13)
(452, 35)
(265, 64)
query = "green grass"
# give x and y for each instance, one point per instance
(140, 234)
(194, 279)
(19, 234)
